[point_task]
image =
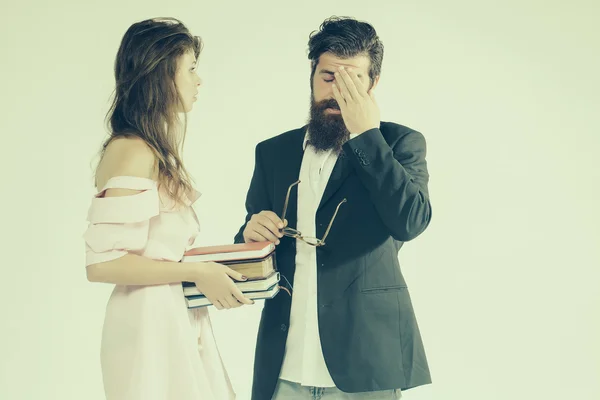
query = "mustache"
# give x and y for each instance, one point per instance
(325, 104)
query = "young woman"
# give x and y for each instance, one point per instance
(141, 222)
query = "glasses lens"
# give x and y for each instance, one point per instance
(312, 241)
(290, 232)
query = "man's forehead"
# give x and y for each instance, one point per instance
(331, 62)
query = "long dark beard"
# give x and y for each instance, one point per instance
(326, 131)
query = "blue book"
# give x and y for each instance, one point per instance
(190, 289)
(201, 301)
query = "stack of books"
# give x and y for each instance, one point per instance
(256, 261)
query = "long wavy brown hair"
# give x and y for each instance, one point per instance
(146, 101)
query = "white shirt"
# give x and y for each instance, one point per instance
(303, 360)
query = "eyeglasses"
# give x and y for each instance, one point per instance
(294, 233)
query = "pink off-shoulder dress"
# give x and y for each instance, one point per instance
(153, 347)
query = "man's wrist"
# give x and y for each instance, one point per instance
(363, 130)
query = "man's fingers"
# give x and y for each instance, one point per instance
(341, 86)
(358, 85)
(266, 233)
(267, 228)
(258, 233)
(264, 226)
(270, 224)
(274, 218)
(256, 237)
(338, 97)
(351, 82)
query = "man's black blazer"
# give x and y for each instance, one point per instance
(368, 330)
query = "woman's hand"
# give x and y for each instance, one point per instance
(215, 282)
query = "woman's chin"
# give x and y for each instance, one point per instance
(186, 109)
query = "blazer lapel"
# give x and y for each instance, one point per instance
(290, 173)
(338, 176)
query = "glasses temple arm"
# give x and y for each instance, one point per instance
(331, 222)
(287, 198)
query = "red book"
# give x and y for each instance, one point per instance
(230, 252)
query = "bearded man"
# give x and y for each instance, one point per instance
(339, 197)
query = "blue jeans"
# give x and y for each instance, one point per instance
(286, 390)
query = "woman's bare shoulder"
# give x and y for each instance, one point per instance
(127, 156)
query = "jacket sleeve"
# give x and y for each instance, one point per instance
(396, 178)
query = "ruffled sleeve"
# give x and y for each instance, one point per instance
(119, 225)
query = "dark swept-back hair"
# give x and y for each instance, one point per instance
(345, 37)
(146, 100)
